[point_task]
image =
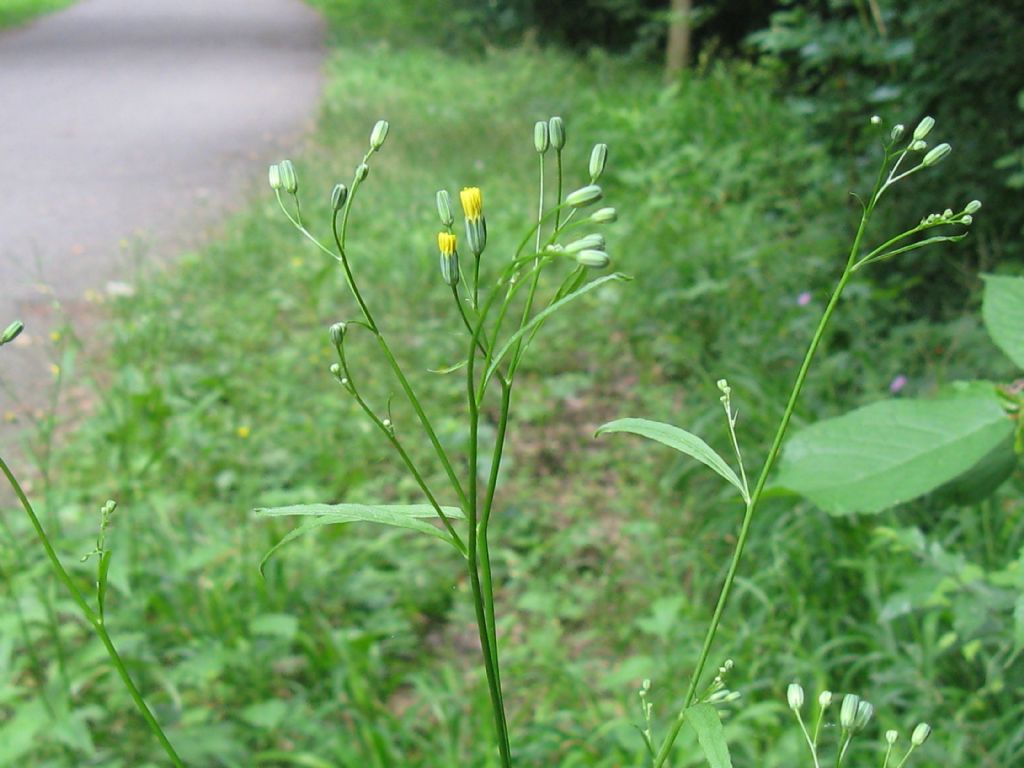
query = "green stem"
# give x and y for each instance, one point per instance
(762, 479)
(92, 617)
(479, 601)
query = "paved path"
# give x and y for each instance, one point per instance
(128, 120)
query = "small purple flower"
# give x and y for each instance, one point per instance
(897, 384)
(803, 299)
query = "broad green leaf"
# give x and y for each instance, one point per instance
(399, 515)
(890, 452)
(549, 310)
(704, 719)
(1003, 311)
(981, 480)
(681, 440)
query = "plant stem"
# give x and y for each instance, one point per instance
(762, 480)
(92, 617)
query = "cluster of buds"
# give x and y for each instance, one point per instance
(717, 693)
(854, 715)
(965, 217)
(282, 177)
(549, 133)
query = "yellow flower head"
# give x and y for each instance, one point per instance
(243, 432)
(446, 243)
(472, 202)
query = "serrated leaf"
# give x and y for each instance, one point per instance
(679, 439)
(1003, 311)
(549, 310)
(704, 719)
(890, 452)
(410, 516)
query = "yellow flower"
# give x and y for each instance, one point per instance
(55, 336)
(446, 243)
(55, 370)
(243, 432)
(472, 202)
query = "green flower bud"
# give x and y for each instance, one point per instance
(289, 181)
(825, 699)
(362, 172)
(584, 196)
(594, 241)
(973, 207)
(444, 208)
(338, 197)
(897, 132)
(864, 713)
(12, 332)
(476, 235)
(541, 142)
(795, 692)
(335, 370)
(967, 220)
(593, 258)
(876, 120)
(920, 734)
(274, 176)
(556, 131)
(936, 156)
(604, 215)
(917, 146)
(891, 736)
(450, 269)
(924, 128)
(848, 711)
(378, 135)
(598, 160)
(337, 333)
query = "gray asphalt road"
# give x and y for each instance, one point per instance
(136, 121)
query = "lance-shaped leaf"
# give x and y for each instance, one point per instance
(893, 451)
(540, 317)
(412, 516)
(704, 719)
(1003, 311)
(681, 440)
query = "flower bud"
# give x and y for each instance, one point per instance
(795, 692)
(920, 734)
(917, 146)
(289, 181)
(848, 711)
(378, 135)
(593, 258)
(598, 160)
(444, 208)
(338, 197)
(274, 176)
(449, 258)
(594, 241)
(924, 128)
(604, 215)
(12, 332)
(362, 172)
(864, 713)
(476, 235)
(967, 220)
(472, 200)
(825, 699)
(337, 333)
(335, 370)
(936, 156)
(556, 131)
(891, 736)
(541, 142)
(584, 196)
(876, 120)
(897, 132)
(973, 207)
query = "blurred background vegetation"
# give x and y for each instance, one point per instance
(732, 183)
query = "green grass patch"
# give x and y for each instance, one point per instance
(358, 650)
(14, 12)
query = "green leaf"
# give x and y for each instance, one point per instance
(449, 368)
(1003, 311)
(398, 515)
(704, 719)
(549, 310)
(681, 440)
(891, 452)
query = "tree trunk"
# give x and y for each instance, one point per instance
(677, 52)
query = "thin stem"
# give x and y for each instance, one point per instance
(92, 617)
(762, 479)
(810, 743)
(479, 602)
(558, 190)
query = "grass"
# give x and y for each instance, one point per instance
(14, 12)
(358, 650)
